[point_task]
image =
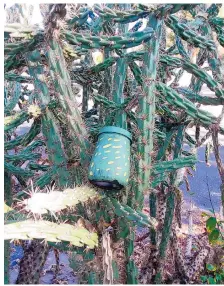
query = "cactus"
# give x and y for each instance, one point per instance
(66, 99)
(113, 42)
(129, 89)
(183, 31)
(55, 201)
(8, 201)
(29, 229)
(119, 80)
(147, 111)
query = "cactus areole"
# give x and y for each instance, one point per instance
(110, 164)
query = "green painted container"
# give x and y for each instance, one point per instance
(110, 164)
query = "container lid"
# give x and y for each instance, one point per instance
(115, 129)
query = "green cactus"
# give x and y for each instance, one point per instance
(147, 110)
(118, 97)
(24, 140)
(183, 31)
(8, 201)
(129, 89)
(112, 42)
(66, 98)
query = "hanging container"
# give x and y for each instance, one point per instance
(110, 164)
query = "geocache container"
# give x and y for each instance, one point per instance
(110, 164)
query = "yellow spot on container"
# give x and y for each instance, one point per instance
(107, 151)
(110, 139)
(90, 173)
(116, 152)
(107, 146)
(119, 168)
(92, 164)
(104, 158)
(117, 147)
(116, 140)
(108, 169)
(117, 174)
(118, 157)
(125, 174)
(127, 180)
(110, 162)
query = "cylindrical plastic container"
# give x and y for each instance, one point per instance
(110, 164)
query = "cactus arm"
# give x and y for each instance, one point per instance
(108, 62)
(28, 230)
(10, 105)
(184, 32)
(136, 72)
(147, 109)
(130, 214)
(204, 77)
(220, 165)
(40, 182)
(49, 128)
(13, 62)
(167, 142)
(22, 156)
(170, 204)
(205, 100)
(15, 77)
(42, 203)
(14, 121)
(112, 42)
(213, 10)
(134, 15)
(12, 49)
(36, 167)
(181, 49)
(118, 86)
(132, 272)
(62, 84)
(25, 139)
(173, 98)
(17, 170)
(55, 151)
(85, 99)
(80, 19)
(169, 166)
(165, 233)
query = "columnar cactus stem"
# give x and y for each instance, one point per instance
(147, 109)
(170, 205)
(49, 128)
(8, 201)
(220, 165)
(66, 98)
